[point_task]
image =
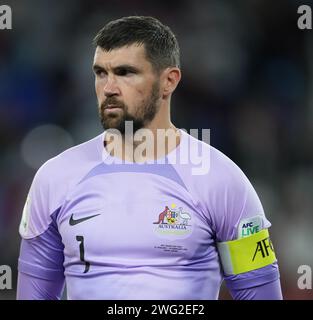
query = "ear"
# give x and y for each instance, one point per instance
(170, 79)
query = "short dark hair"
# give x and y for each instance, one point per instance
(160, 43)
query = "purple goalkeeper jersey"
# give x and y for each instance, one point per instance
(138, 231)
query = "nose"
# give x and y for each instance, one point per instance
(110, 87)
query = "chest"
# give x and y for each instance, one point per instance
(133, 217)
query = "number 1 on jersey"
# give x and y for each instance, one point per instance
(82, 252)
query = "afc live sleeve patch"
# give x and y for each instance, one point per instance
(250, 226)
(246, 254)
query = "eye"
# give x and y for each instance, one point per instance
(124, 72)
(100, 73)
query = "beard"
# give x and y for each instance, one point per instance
(142, 116)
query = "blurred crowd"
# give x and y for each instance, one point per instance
(247, 75)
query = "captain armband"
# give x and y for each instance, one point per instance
(246, 254)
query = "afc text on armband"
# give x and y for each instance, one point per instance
(263, 247)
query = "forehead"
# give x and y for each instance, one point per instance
(133, 54)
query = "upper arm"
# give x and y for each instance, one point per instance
(40, 263)
(238, 215)
(236, 208)
(40, 266)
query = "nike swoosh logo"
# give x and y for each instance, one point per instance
(73, 222)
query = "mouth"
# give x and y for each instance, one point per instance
(112, 106)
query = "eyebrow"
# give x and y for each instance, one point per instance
(97, 67)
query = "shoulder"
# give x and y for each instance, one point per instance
(213, 166)
(71, 162)
(223, 191)
(53, 181)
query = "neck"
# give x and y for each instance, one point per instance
(158, 139)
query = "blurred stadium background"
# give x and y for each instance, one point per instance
(247, 75)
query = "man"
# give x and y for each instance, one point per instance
(95, 214)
